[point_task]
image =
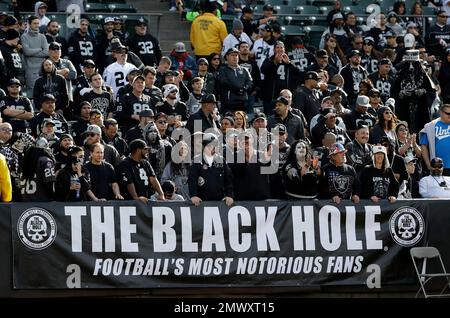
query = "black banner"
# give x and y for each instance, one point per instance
(133, 245)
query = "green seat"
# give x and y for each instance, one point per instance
(121, 8)
(228, 19)
(321, 3)
(312, 10)
(97, 7)
(284, 9)
(292, 30)
(313, 34)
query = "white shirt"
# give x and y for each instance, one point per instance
(232, 41)
(429, 187)
(115, 75)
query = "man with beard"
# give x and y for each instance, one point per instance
(48, 111)
(79, 127)
(436, 185)
(52, 35)
(132, 104)
(253, 69)
(81, 45)
(159, 149)
(138, 180)
(97, 96)
(51, 83)
(359, 115)
(137, 132)
(92, 135)
(110, 137)
(284, 116)
(353, 73)
(16, 109)
(338, 180)
(306, 97)
(38, 173)
(61, 157)
(171, 105)
(359, 152)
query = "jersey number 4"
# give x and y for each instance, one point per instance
(143, 176)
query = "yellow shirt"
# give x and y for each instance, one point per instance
(207, 34)
(5, 181)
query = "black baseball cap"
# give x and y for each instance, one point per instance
(137, 144)
(311, 75)
(88, 63)
(14, 81)
(54, 46)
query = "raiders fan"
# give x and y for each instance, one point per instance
(98, 96)
(338, 180)
(38, 173)
(299, 55)
(144, 45)
(10, 50)
(48, 111)
(159, 149)
(378, 180)
(137, 176)
(16, 109)
(132, 104)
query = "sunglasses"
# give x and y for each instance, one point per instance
(448, 114)
(92, 135)
(216, 58)
(437, 166)
(162, 122)
(442, 16)
(96, 116)
(201, 64)
(387, 112)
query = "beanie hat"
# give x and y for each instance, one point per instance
(238, 25)
(169, 88)
(12, 34)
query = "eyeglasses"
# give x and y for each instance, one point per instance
(162, 122)
(92, 135)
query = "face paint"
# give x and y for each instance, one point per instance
(300, 151)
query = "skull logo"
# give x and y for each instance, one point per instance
(406, 226)
(37, 228)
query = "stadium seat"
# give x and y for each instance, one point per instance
(228, 19)
(429, 11)
(307, 10)
(97, 7)
(429, 268)
(284, 9)
(292, 30)
(5, 6)
(276, 2)
(313, 34)
(320, 3)
(121, 8)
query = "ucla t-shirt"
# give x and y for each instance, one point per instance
(442, 142)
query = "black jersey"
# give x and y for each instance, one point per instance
(146, 47)
(40, 187)
(137, 173)
(61, 126)
(339, 181)
(102, 178)
(155, 94)
(129, 105)
(81, 48)
(384, 85)
(20, 103)
(13, 62)
(103, 102)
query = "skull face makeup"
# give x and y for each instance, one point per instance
(300, 151)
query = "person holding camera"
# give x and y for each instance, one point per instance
(73, 181)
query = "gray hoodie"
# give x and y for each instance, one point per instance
(35, 49)
(43, 20)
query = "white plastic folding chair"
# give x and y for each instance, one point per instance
(423, 258)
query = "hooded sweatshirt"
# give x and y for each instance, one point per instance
(43, 20)
(35, 48)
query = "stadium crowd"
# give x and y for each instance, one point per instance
(105, 116)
